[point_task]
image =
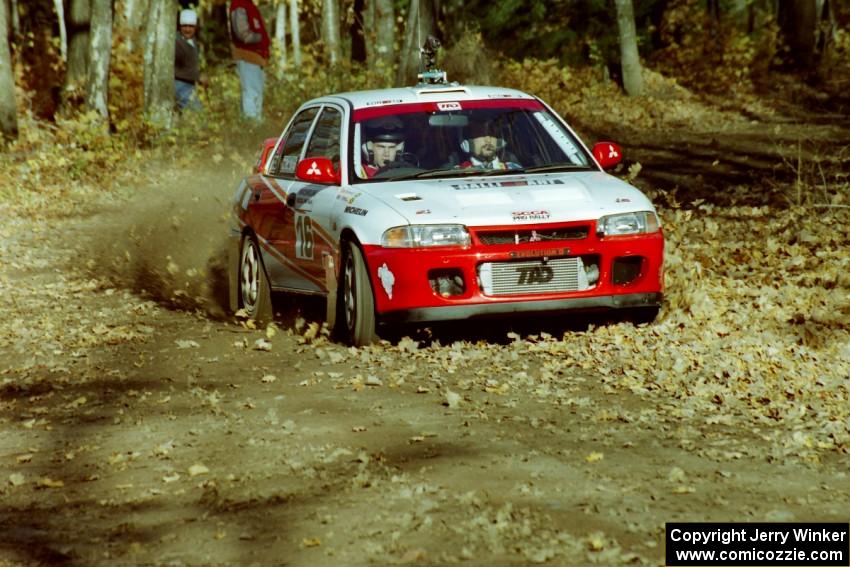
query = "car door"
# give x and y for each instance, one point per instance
(273, 220)
(312, 202)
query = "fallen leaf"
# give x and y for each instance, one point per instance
(594, 457)
(452, 399)
(16, 479)
(198, 469)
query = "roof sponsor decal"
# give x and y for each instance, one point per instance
(511, 183)
(448, 106)
(383, 102)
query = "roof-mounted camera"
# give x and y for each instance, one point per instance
(428, 58)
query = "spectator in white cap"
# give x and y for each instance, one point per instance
(187, 62)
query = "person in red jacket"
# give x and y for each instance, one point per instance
(250, 48)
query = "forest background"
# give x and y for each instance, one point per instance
(93, 78)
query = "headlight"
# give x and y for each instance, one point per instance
(417, 235)
(627, 223)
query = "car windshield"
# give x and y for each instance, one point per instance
(453, 139)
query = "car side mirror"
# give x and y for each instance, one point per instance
(268, 146)
(317, 170)
(607, 154)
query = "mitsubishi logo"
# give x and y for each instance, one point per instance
(612, 153)
(314, 169)
(530, 275)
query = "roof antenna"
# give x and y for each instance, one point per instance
(431, 75)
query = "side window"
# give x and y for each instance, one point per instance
(285, 159)
(325, 139)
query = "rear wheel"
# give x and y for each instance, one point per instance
(357, 302)
(255, 296)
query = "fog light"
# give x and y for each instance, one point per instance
(447, 283)
(626, 269)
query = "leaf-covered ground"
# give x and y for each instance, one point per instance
(143, 426)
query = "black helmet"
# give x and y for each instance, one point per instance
(385, 129)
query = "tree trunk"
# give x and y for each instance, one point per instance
(59, 6)
(629, 59)
(798, 21)
(384, 26)
(363, 11)
(79, 18)
(16, 20)
(134, 16)
(330, 30)
(8, 108)
(280, 38)
(295, 29)
(420, 24)
(159, 62)
(100, 50)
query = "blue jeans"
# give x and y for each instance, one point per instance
(252, 79)
(186, 96)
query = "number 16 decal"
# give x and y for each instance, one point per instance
(303, 237)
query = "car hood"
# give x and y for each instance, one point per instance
(511, 199)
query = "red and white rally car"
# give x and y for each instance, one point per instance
(440, 202)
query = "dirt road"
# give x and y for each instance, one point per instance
(140, 425)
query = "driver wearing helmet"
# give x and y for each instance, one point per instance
(385, 144)
(484, 145)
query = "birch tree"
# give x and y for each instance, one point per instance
(295, 32)
(629, 59)
(8, 109)
(420, 24)
(134, 15)
(382, 29)
(100, 50)
(159, 62)
(79, 17)
(59, 6)
(280, 37)
(16, 20)
(330, 30)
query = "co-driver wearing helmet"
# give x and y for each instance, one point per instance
(484, 145)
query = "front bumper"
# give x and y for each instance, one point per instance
(403, 291)
(483, 310)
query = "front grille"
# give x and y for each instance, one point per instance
(492, 237)
(533, 276)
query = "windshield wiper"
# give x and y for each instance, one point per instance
(557, 167)
(434, 173)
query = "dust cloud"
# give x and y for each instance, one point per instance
(168, 241)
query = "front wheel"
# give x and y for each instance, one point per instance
(255, 296)
(356, 300)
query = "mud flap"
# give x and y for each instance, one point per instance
(331, 285)
(233, 251)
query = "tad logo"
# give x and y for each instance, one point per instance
(530, 275)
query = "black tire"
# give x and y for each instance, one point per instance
(356, 300)
(255, 294)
